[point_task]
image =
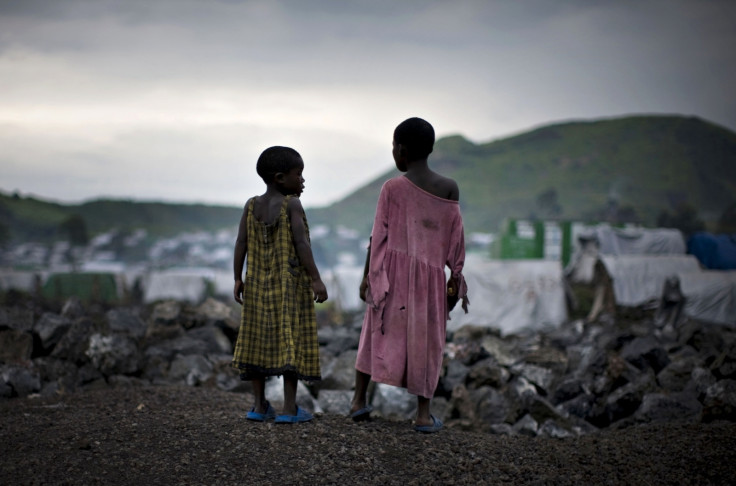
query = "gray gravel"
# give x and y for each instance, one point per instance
(183, 435)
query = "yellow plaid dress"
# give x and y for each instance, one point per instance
(278, 329)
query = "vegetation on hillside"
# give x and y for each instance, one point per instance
(649, 169)
(31, 219)
(627, 169)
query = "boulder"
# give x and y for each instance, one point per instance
(678, 374)
(568, 389)
(487, 373)
(724, 365)
(73, 308)
(662, 407)
(57, 375)
(501, 429)
(15, 346)
(491, 406)
(23, 380)
(214, 338)
(626, 400)
(339, 373)
(192, 370)
(167, 312)
(126, 321)
(335, 401)
(550, 428)
(393, 403)
(16, 318)
(581, 406)
(213, 312)
(548, 357)
(720, 401)
(50, 328)
(185, 344)
(541, 409)
(526, 425)
(455, 374)
(336, 340)
(74, 344)
(501, 350)
(541, 377)
(462, 405)
(113, 354)
(700, 380)
(646, 352)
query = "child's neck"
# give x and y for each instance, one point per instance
(273, 191)
(417, 167)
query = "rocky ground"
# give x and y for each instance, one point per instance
(134, 394)
(194, 435)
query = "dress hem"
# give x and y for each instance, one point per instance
(251, 372)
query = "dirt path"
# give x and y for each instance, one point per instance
(172, 435)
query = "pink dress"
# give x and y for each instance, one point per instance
(415, 234)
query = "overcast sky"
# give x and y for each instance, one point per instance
(175, 99)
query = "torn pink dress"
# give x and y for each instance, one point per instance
(415, 234)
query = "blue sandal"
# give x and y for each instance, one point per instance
(261, 417)
(430, 429)
(301, 416)
(362, 414)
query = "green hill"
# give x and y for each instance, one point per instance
(631, 168)
(31, 219)
(628, 168)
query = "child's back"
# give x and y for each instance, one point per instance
(417, 230)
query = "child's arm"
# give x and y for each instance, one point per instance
(241, 246)
(303, 249)
(364, 282)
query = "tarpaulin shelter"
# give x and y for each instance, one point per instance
(715, 251)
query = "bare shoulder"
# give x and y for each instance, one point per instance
(294, 205)
(448, 187)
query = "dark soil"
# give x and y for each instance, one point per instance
(177, 435)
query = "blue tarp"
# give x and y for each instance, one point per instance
(715, 252)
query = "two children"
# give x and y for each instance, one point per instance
(417, 230)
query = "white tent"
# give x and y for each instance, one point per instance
(710, 295)
(511, 295)
(19, 280)
(591, 242)
(638, 279)
(343, 286)
(178, 284)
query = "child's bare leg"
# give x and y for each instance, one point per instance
(290, 384)
(423, 413)
(259, 392)
(362, 380)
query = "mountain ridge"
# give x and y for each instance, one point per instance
(631, 168)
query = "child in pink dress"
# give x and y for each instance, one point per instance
(417, 230)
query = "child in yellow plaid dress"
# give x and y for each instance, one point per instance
(278, 330)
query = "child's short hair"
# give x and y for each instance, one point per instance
(277, 159)
(417, 136)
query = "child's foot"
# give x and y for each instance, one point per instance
(361, 414)
(428, 428)
(267, 414)
(301, 416)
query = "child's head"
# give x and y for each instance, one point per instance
(275, 160)
(416, 136)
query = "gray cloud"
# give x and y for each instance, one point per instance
(190, 91)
